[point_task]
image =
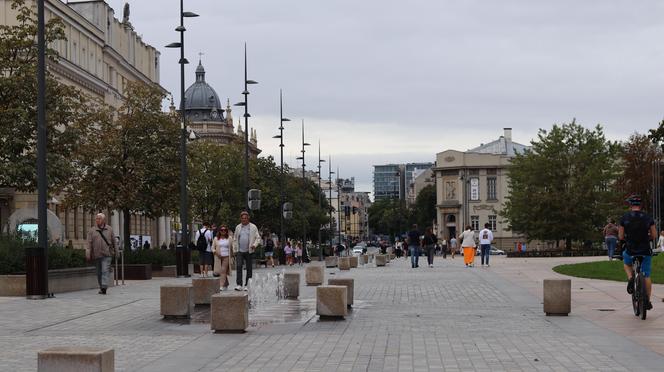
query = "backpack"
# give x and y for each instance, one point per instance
(201, 242)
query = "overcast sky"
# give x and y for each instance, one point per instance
(380, 81)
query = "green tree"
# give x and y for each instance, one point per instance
(69, 113)
(563, 187)
(424, 211)
(130, 160)
(390, 217)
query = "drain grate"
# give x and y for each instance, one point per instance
(605, 309)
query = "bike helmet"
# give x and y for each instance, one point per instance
(634, 199)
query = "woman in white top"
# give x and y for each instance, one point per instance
(468, 245)
(223, 249)
(660, 242)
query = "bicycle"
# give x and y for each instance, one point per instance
(639, 295)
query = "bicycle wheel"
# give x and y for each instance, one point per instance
(635, 297)
(643, 296)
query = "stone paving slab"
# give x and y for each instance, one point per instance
(446, 318)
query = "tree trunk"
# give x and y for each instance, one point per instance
(126, 227)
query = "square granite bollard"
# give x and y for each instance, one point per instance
(354, 261)
(331, 301)
(292, 285)
(380, 259)
(344, 263)
(350, 286)
(557, 296)
(176, 300)
(314, 274)
(80, 358)
(229, 312)
(364, 259)
(331, 261)
(203, 289)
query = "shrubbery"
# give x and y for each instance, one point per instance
(12, 256)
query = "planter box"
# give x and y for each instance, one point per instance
(169, 271)
(59, 281)
(137, 271)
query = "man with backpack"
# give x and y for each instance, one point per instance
(204, 247)
(635, 232)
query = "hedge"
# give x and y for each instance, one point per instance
(12, 256)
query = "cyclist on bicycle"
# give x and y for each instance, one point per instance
(635, 232)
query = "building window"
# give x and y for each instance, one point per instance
(491, 188)
(492, 222)
(475, 222)
(491, 171)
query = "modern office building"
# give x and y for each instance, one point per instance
(391, 181)
(471, 187)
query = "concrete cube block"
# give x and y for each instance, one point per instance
(203, 289)
(344, 263)
(314, 274)
(354, 260)
(331, 261)
(392, 256)
(381, 259)
(79, 358)
(331, 301)
(557, 296)
(291, 285)
(229, 312)
(349, 283)
(176, 300)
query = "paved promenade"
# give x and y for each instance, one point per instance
(446, 318)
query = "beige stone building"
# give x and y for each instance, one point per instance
(471, 187)
(99, 56)
(421, 179)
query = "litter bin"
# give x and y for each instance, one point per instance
(182, 257)
(36, 274)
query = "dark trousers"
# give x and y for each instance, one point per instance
(431, 250)
(485, 251)
(241, 259)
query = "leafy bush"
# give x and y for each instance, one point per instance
(12, 256)
(150, 256)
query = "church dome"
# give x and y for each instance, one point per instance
(200, 95)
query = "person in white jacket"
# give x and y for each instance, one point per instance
(245, 241)
(486, 238)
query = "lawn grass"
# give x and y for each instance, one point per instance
(609, 270)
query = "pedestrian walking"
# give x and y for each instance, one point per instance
(660, 242)
(443, 245)
(298, 254)
(100, 250)
(468, 245)
(245, 241)
(453, 246)
(288, 251)
(222, 247)
(269, 250)
(486, 238)
(611, 237)
(414, 246)
(429, 244)
(204, 246)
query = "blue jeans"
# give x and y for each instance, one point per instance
(414, 255)
(485, 251)
(103, 266)
(611, 242)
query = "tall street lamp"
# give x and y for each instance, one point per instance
(338, 207)
(329, 185)
(320, 248)
(182, 267)
(37, 257)
(281, 147)
(247, 82)
(304, 185)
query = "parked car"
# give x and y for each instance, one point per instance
(496, 251)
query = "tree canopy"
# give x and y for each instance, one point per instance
(563, 188)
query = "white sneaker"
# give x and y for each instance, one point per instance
(238, 287)
(245, 288)
(224, 288)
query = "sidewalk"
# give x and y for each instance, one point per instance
(446, 318)
(605, 303)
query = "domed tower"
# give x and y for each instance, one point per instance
(207, 117)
